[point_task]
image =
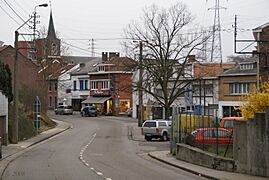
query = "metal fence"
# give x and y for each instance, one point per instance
(201, 131)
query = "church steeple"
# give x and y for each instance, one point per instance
(51, 30)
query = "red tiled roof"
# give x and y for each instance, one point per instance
(210, 69)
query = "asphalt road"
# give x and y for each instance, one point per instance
(95, 148)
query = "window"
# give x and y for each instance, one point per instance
(162, 124)
(94, 85)
(246, 66)
(55, 101)
(208, 133)
(55, 86)
(50, 101)
(81, 85)
(86, 84)
(101, 68)
(150, 124)
(105, 85)
(239, 88)
(222, 134)
(50, 86)
(74, 85)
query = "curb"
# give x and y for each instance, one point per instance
(8, 159)
(181, 167)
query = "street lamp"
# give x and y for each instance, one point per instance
(40, 5)
(15, 138)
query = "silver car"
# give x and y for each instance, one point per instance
(157, 128)
(64, 109)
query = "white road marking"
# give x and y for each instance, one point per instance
(96, 154)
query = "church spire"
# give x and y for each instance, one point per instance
(51, 30)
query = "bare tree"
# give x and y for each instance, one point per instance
(167, 44)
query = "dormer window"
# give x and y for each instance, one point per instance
(246, 66)
(101, 68)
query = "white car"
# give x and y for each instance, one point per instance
(157, 128)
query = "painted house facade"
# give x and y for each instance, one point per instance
(234, 83)
(111, 86)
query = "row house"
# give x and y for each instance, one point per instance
(59, 89)
(235, 83)
(80, 89)
(205, 97)
(202, 95)
(111, 86)
(261, 35)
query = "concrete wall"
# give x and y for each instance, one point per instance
(197, 156)
(4, 113)
(251, 145)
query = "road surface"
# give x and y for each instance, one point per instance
(95, 148)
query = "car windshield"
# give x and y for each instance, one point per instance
(228, 124)
(150, 124)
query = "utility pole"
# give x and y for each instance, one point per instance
(92, 46)
(140, 83)
(15, 125)
(14, 138)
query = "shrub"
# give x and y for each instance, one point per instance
(255, 101)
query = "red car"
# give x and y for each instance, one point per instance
(209, 136)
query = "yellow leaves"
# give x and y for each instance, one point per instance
(256, 101)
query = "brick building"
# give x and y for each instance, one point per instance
(261, 35)
(27, 71)
(111, 85)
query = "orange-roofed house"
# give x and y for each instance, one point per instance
(206, 88)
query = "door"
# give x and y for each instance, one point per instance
(3, 129)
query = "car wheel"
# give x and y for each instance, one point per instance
(148, 138)
(165, 137)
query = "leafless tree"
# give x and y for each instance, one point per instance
(167, 43)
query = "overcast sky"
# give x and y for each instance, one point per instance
(104, 20)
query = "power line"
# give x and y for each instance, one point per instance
(21, 7)
(14, 10)
(9, 15)
(86, 50)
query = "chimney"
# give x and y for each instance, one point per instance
(1, 43)
(113, 54)
(104, 56)
(191, 58)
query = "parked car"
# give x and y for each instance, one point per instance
(129, 112)
(227, 122)
(64, 109)
(89, 111)
(157, 128)
(209, 136)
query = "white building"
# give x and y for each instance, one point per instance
(3, 118)
(80, 85)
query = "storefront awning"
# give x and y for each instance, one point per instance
(96, 100)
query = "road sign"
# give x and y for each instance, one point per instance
(37, 115)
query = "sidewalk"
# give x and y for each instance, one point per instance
(134, 133)
(12, 151)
